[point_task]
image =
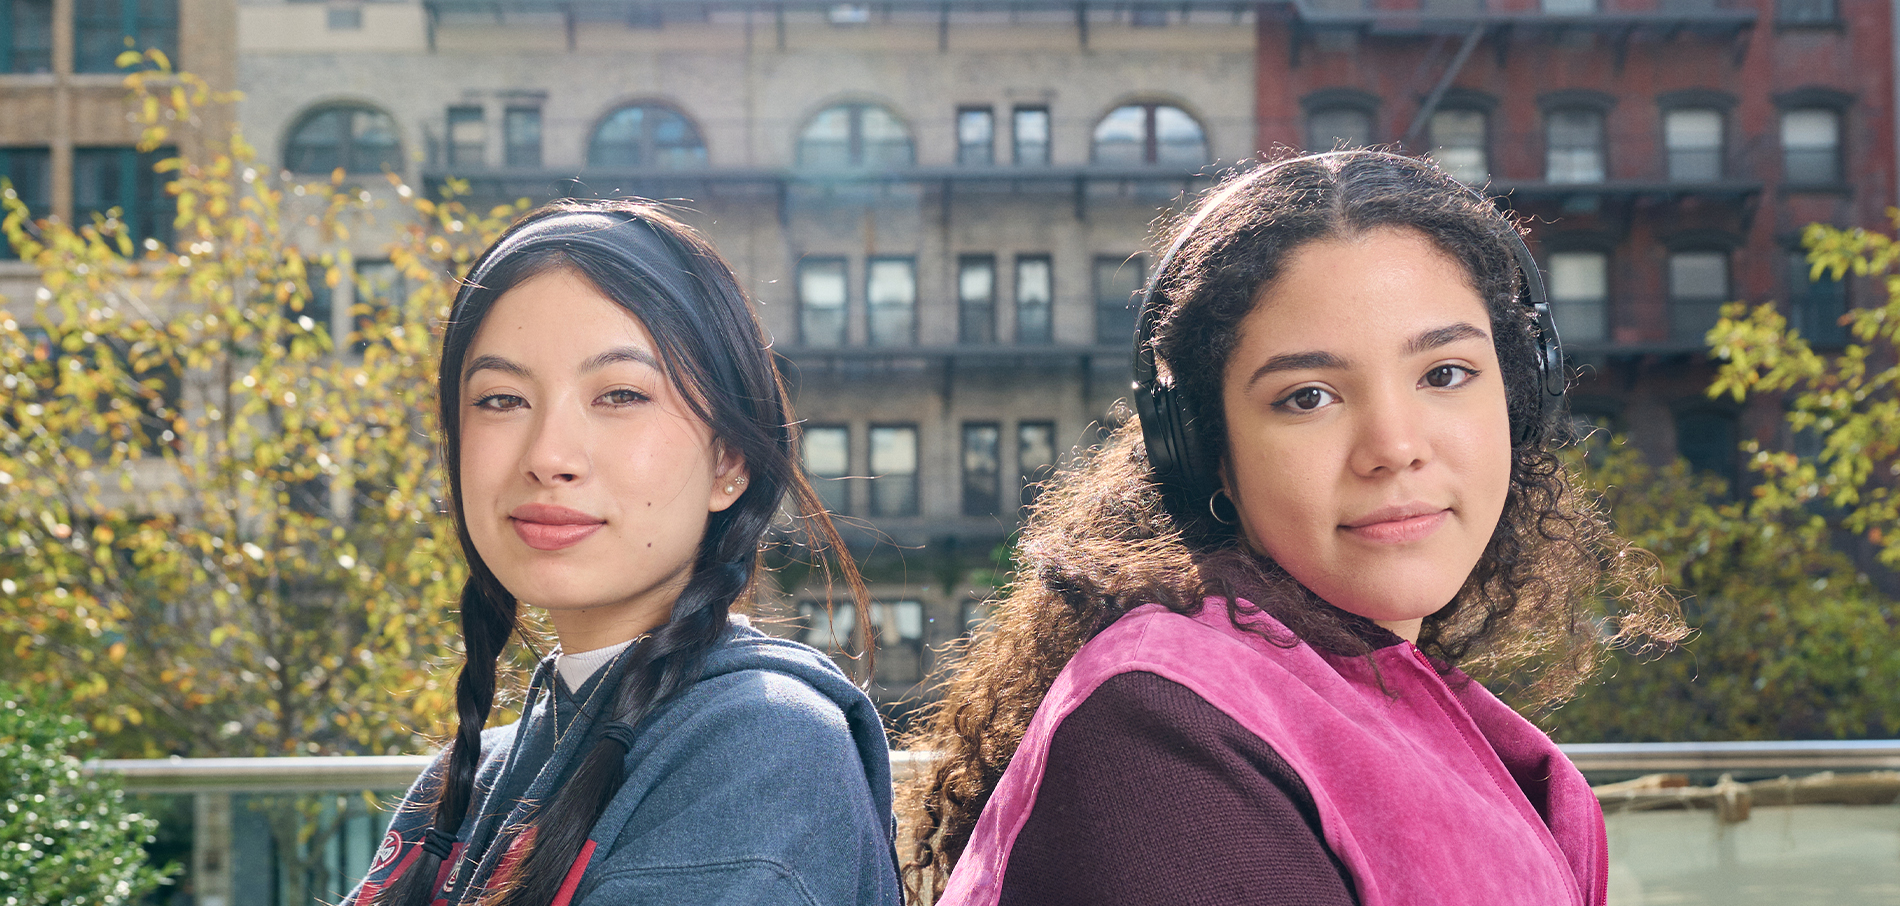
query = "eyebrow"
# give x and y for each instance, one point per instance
(1424, 342)
(612, 356)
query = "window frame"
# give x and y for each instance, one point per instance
(981, 490)
(976, 317)
(1597, 149)
(388, 160)
(856, 155)
(516, 155)
(1569, 328)
(807, 335)
(148, 28)
(1704, 308)
(831, 488)
(890, 498)
(647, 149)
(1120, 328)
(1149, 139)
(976, 153)
(147, 210)
(460, 114)
(18, 58)
(1046, 334)
(1017, 144)
(879, 330)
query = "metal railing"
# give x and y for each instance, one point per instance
(1778, 819)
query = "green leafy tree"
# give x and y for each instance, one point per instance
(1848, 402)
(220, 533)
(67, 837)
(1791, 640)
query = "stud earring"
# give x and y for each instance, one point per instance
(733, 486)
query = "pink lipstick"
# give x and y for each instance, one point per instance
(551, 528)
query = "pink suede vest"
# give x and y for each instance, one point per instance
(1422, 792)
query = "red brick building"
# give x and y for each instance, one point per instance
(1666, 152)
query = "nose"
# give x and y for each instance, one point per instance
(1392, 435)
(557, 451)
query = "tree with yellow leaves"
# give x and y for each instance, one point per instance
(219, 520)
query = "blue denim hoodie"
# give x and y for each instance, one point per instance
(766, 782)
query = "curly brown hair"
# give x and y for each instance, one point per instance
(1107, 536)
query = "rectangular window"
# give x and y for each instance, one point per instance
(1811, 145)
(982, 468)
(468, 137)
(1035, 457)
(894, 470)
(379, 289)
(1692, 137)
(30, 171)
(1574, 146)
(1580, 295)
(890, 298)
(1819, 302)
(976, 136)
(974, 613)
(100, 28)
(828, 462)
(26, 37)
(1569, 7)
(1030, 134)
(1035, 299)
(521, 136)
(123, 178)
(1338, 127)
(1117, 279)
(1806, 12)
(1698, 287)
(821, 301)
(976, 299)
(900, 640)
(828, 629)
(1458, 144)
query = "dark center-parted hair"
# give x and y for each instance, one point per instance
(713, 350)
(1108, 535)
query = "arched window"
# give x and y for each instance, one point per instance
(355, 137)
(1150, 134)
(850, 136)
(646, 135)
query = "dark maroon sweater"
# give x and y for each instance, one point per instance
(1139, 777)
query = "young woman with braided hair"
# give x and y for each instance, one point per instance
(1226, 670)
(618, 443)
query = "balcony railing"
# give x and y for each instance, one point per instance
(1736, 823)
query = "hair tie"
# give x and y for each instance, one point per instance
(437, 843)
(619, 731)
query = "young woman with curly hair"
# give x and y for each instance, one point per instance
(618, 443)
(1227, 669)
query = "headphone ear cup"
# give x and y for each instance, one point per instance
(1171, 447)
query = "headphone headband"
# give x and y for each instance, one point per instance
(1174, 444)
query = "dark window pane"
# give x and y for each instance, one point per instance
(31, 46)
(1035, 299)
(828, 462)
(468, 137)
(101, 27)
(521, 133)
(1574, 146)
(982, 469)
(1811, 145)
(976, 299)
(1698, 287)
(976, 136)
(646, 135)
(30, 172)
(894, 470)
(1338, 127)
(1030, 132)
(1805, 12)
(890, 300)
(1707, 439)
(1116, 282)
(821, 301)
(122, 178)
(1035, 457)
(1693, 138)
(1819, 302)
(358, 139)
(900, 640)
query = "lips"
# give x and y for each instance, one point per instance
(1398, 524)
(551, 528)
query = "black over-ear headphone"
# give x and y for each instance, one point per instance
(1174, 446)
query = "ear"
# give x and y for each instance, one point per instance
(730, 478)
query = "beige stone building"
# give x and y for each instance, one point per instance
(65, 140)
(942, 208)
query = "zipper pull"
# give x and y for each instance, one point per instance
(1422, 659)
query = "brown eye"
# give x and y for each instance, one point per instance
(1447, 376)
(1306, 399)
